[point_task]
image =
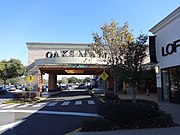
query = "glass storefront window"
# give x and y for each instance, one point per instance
(178, 78)
(165, 83)
(173, 82)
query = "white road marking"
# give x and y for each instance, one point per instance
(38, 105)
(11, 125)
(52, 112)
(91, 102)
(23, 106)
(52, 104)
(65, 103)
(10, 106)
(78, 103)
(2, 105)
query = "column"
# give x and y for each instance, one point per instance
(52, 83)
(124, 87)
(110, 83)
(40, 81)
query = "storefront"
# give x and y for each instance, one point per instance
(167, 48)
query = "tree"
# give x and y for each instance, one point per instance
(11, 69)
(112, 45)
(131, 70)
(72, 80)
(64, 80)
(87, 80)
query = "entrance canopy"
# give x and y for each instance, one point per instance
(70, 65)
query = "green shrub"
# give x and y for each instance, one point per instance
(28, 88)
(162, 120)
(110, 96)
(124, 114)
(24, 95)
(95, 124)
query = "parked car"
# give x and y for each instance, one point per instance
(12, 88)
(18, 86)
(3, 90)
(23, 87)
(81, 86)
(69, 87)
(64, 87)
(44, 88)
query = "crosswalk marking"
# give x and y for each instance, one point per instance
(2, 105)
(10, 106)
(38, 105)
(91, 102)
(78, 103)
(52, 104)
(23, 106)
(65, 103)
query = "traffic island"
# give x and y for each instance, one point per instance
(25, 97)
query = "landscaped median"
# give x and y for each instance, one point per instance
(25, 97)
(123, 114)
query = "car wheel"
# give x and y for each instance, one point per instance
(5, 92)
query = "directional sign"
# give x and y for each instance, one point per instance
(104, 75)
(30, 78)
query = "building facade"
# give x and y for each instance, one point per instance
(62, 59)
(167, 33)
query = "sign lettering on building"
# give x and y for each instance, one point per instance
(170, 48)
(72, 53)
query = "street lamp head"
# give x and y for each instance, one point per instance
(157, 69)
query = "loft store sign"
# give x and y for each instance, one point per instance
(170, 48)
(72, 53)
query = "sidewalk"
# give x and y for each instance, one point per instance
(48, 94)
(153, 131)
(171, 108)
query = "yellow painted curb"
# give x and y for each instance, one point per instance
(76, 130)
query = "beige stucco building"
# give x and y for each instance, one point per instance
(61, 59)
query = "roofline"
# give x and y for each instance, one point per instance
(46, 45)
(172, 16)
(53, 43)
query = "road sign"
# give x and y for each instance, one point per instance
(104, 75)
(30, 78)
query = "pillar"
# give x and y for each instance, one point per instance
(124, 87)
(40, 81)
(52, 84)
(110, 83)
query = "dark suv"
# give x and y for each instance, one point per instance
(3, 90)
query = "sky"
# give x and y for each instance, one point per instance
(71, 21)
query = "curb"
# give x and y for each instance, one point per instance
(94, 95)
(74, 131)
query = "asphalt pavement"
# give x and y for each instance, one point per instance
(57, 115)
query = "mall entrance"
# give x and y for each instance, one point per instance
(54, 70)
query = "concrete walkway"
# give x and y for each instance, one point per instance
(48, 94)
(173, 109)
(153, 131)
(170, 108)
